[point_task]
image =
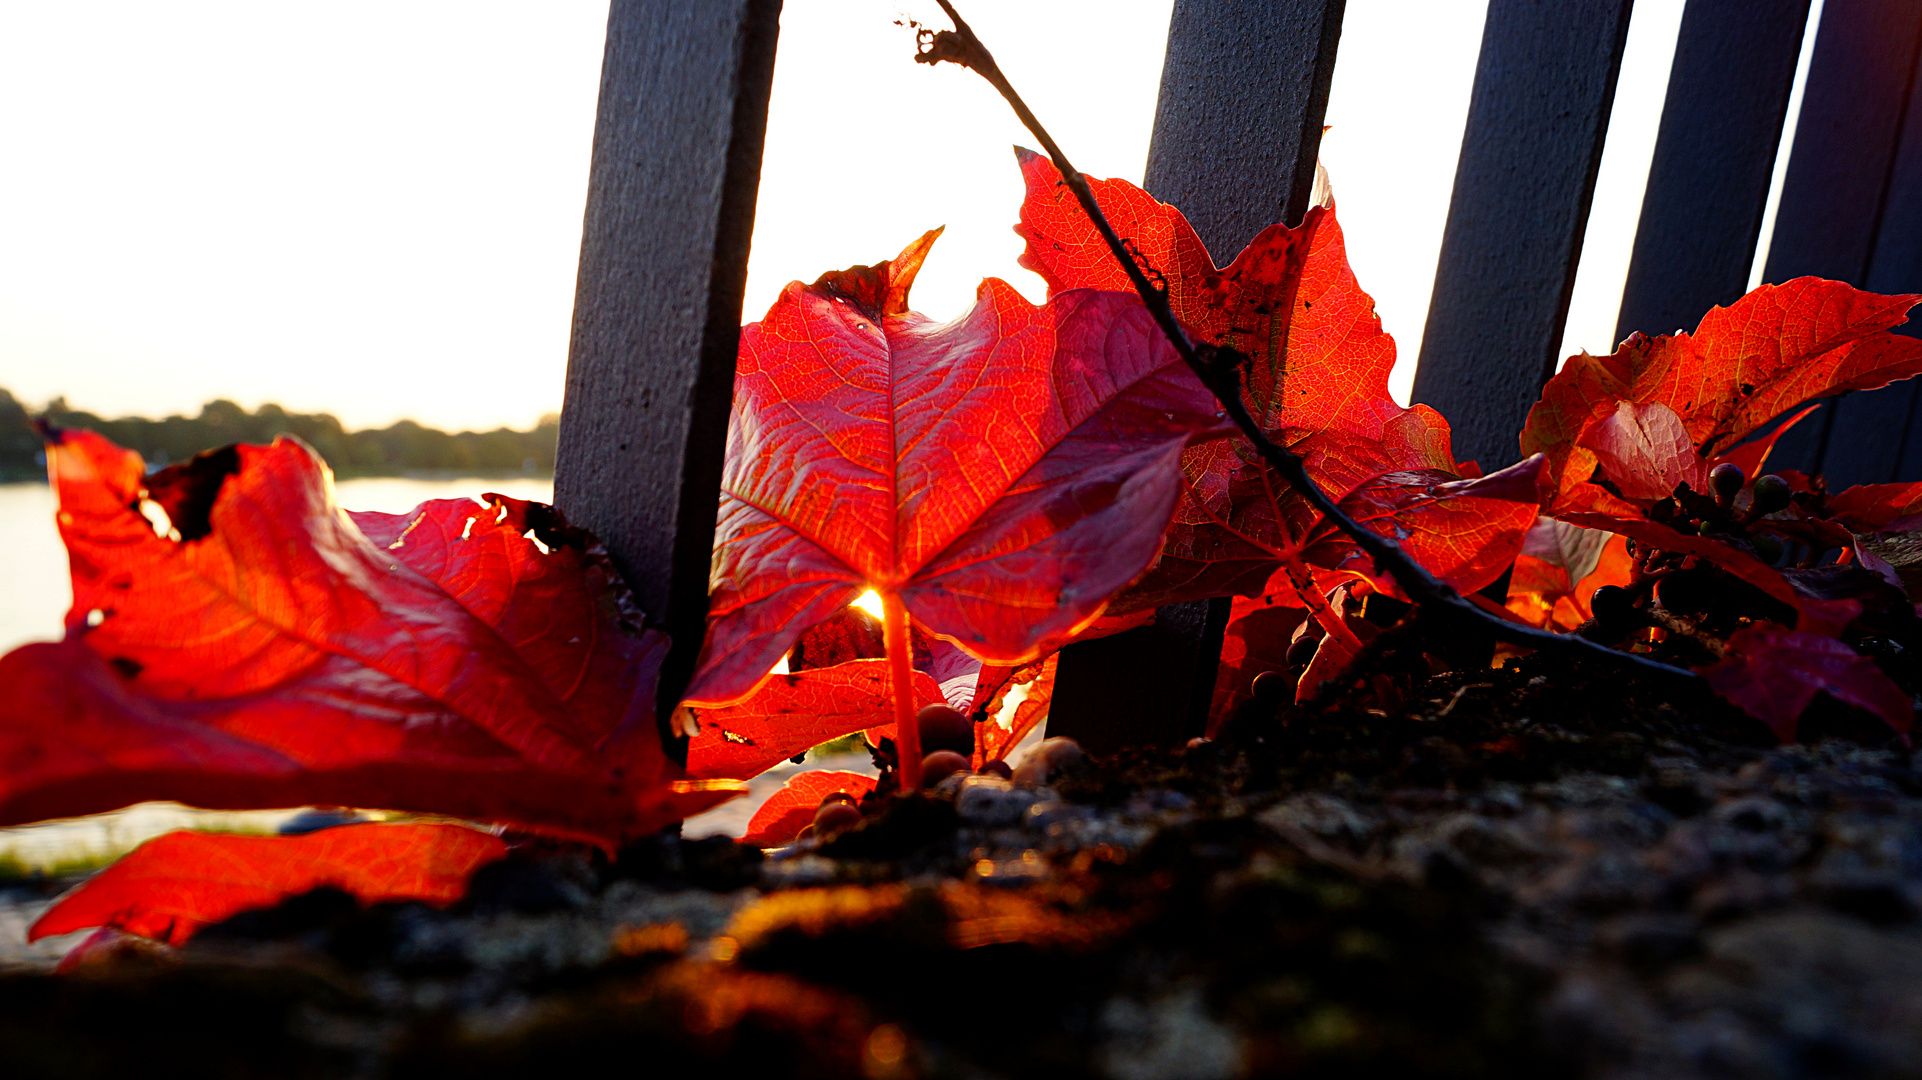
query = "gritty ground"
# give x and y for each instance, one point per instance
(1526, 872)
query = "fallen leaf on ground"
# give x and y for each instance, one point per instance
(1774, 673)
(792, 713)
(791, 809)
(171, 886)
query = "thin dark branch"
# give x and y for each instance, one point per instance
(1219, 368)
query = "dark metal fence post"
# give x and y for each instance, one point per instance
(1708, 185)
(1848, 211)
(657, 313)
(1237, 131)
(1536, 122)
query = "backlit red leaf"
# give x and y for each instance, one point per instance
(1645, 452)
(794, 712)
(1317, 381)
(1035, 683)
(1002, 475)
(273, 650)
(1319, 358)
(171, 886)
(1746, 363)
(1560, 567)
(1878, 507)
(1773, 674)
(791, 809)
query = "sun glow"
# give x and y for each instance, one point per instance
(869, 602)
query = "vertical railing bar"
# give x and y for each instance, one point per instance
(1848, 173)
(650, 374)
(1715, 151)
(1538, 116)
(1237, 130)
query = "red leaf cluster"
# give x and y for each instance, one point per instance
(1630, 439)
(1317, 382)
(1670, 406)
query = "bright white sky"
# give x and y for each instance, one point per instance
(374, 208)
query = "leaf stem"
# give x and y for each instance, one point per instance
(1317, 605)
(907, 732)
(1219, 368)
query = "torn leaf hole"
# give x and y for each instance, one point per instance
(186, 492)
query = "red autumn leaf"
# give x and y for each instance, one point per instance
(850, 634)
(1868, 508)
(1773, 674)
(1558, 571)
(791, 809)
(171, 886)
(1746, 363)
(994, 742)
(1319, 358)
(794, 712)
(1645, 451)
(1001, 475)
(274, 651)
(1317, 381)
(1465, 531)
(1751, 456)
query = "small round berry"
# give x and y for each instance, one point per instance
(1303, 650)
(833, 817)
(1613, 606)
(1767, 548)
(945, 728)
(1771, 494)
(841, 797)
(999, 768)
(806, 833)
(1725, 480)
(1271, 687)
(1052, 758)
(940, 765)
(1686, 592)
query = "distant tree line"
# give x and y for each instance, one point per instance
(401, 449)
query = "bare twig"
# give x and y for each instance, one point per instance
(1219, 368)
(1688, 628)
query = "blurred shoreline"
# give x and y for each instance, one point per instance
(403, 449)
